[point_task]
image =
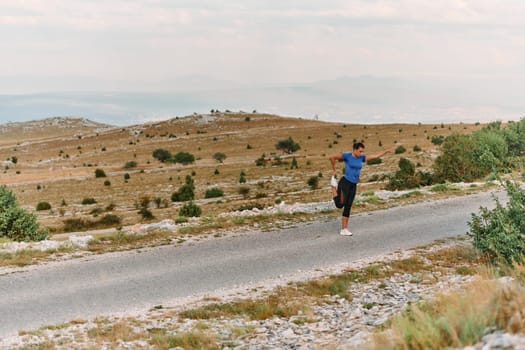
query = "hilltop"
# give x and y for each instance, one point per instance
(56, 159)
(47, 128)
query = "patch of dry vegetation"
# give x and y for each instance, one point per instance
(299, 296)
(459, 319)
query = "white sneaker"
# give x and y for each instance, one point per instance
(333, 181)
(345, 232)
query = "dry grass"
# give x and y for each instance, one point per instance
(194, 340)
(22, 257)
(288, 301)
(112, 333)
(283, 302)
(57, 169)
(457, 319)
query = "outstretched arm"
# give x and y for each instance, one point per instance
(379, 154)
(333, 159)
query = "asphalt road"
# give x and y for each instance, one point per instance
(117, 282)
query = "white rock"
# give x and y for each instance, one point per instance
(80, 241)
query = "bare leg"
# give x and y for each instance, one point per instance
(334, 191)
(344, 222)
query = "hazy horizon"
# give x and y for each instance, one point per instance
(362, 99)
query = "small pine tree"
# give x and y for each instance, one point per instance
(294, 164)
(313, 182)
(242, 177)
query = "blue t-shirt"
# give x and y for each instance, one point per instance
(353, 166)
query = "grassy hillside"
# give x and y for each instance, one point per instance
(56, 163)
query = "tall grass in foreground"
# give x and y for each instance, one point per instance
(457, 319)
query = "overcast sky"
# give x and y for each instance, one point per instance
(67, 43)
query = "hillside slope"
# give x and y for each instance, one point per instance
(56, 162)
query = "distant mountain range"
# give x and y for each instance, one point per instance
(364, 99)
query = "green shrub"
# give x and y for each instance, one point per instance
(498, 233)
(100, 173)
(185, 192)
(261, 161)
(242, 177)
(417, 148)
(183, 158)
(190, 210)
(109, 220)
(126, 177)
(288, 145)
(490, 149)
(88, 200)
(313, 182)
(43, 206)
(437, 139)
(130, 164)
(15, 222)
(146, 214)
(374, 161)
(219, 156)
(162, 155)
(470, 157)
(514, 136)
(400, 149)
(107, 183)
(213, 193)
(407, 177)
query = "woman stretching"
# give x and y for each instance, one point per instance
(344, 192)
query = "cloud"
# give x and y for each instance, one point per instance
(251, 40)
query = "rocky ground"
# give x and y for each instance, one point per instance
(336, 323)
